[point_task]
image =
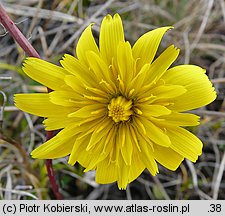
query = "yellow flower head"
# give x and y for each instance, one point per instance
(119, 109)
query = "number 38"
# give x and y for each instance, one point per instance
(215, 208)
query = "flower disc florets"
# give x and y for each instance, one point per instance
(120, 109)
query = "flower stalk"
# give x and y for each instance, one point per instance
(30, 51)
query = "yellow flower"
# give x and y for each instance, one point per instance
(120, 110)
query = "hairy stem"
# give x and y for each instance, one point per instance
(30, 51)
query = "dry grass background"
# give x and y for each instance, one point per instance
(53, 28)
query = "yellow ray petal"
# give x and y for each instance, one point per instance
(45, 73)
(168, 91)
(79, 152)
(161, 93)
(133, 133)
(53, 150)
(123, 173)
(100, 69)
(136, 168)
(155, 134)
(81, 72)
(111, 33)
(167, 157)
(106, 172)
(88, 159)
(125, 61)
(74, 83)
(127, 148)
(88, 111)
(101, 131)
(86, 43)
(161, 64)
(154, 110)
(39, 104)
(97, 91)
(138, 81)
(65, 98)
(185, 143)
(110, 140)
(181, 119)
(147, 156)
(57, 122)
(100, 151)
(199, 89)
(146, 46)
(59, 146)
(62, 121)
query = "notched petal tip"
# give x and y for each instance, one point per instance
(108, 17)
(29, 61)
(71, 161)
(172, 46)
(117, 16)
(148, 41)
(64, 57)
(35, 153)
(203, 70)
(17, 99)
(169, 27)
(154, 173)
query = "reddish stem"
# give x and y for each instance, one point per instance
(50, 170)
(52, 179)
(17, 34)
(30, 51)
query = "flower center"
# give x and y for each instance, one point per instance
(120, 109)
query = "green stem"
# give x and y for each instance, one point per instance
(30, 51)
